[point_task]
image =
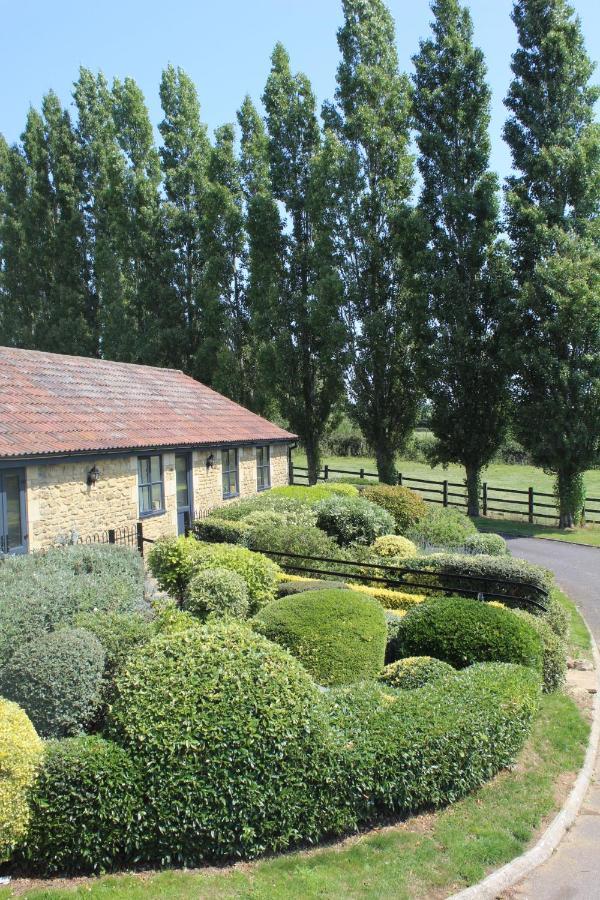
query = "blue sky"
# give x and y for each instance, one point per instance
(224, 45)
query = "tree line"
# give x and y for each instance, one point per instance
(363, 253)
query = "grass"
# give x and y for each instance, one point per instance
(427, 856)
(580, 645)
(499, 475)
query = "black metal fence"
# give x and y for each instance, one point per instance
(529, 503)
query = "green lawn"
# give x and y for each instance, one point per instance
(427, 855)
(589, 535)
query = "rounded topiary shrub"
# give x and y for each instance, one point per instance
(462, 631)
(295, 539)
(353, 520)
(286, 588)
(258, 571)
(448, 528)
(172, 562)
(21, 753)
(236, 753)
(394, 546)
(85, 808)
(339, 636)
(406, 506)
(415, 671)
(488, 544)
(57, 679)
(219, 593)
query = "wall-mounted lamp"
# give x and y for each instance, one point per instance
(93, 475)
(210, 461)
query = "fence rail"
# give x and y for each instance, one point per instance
(492, 497)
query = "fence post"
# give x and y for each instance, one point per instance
(112, 538)
(531, 505)
(140, 537)
(445, 492)
(362, 473)
(326, 472)
(400, 478)
(484, 498)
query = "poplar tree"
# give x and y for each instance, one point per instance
(466, 274)
(552, 214)
(308, 335)
(374, 229)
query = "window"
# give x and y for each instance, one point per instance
(229, 465)
(150, 485)
(263, 468)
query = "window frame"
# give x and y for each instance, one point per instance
(263, 467)
(229, 495)
(145, 484)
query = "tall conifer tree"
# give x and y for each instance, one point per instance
(466, 274)
(553, 202)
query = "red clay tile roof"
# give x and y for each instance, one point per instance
(54, 404)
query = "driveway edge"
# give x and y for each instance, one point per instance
(513, 872)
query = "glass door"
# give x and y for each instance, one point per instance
(13, 537)
(183, 479)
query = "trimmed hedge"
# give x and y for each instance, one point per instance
(85, 809)
(394, 546)
(353, 520)
(557, 617)
(407, 751)
(220, 531)
(554, 651)
(405, 506)
(415, 671)
(292, 509)
(389, 597)
(296, 539)
(442, 527)
(41, 592)
(21, 753)
(287, 588)
(219, 593)
(461, 632)
(57, 679)
(315, 493)
(488, 544)
(236, 753)
(339, 636)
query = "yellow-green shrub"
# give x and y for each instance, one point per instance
(394, 546)
(21, 753)
(389, 598)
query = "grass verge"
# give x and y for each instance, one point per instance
(426, 856)
(589, 536)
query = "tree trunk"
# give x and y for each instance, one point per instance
(473, 485)
(571, 498)
(313, 456)
(386, 468)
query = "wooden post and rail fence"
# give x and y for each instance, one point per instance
(529, 503)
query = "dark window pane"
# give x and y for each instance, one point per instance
(157, 496)
(155, 468)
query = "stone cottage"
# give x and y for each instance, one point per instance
(88, 445)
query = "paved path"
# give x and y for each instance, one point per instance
(573, 872)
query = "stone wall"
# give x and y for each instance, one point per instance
(60, 502)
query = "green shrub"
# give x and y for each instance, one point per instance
(259, 572)
(446, 570)
(287, 588)
(339, 636)
(57, 679)
(392, 621)
(220, 531)
(353, 520)
(172, 561)
(557, 617)
(415, 671)
(217, 593)
(394, 546)
(461, 632)
(554, 650)
(412, 750)
(294, 511)
(405, 506)
(21, 753)
(264, 518)
(41, 592)
(314, 494)
(488, 544)
(442, 527)
(237, 756)
(295, 539)
(85, 809)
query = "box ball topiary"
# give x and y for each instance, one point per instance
(394, 546)
(218, 593)
(236, 753)
(406, 506)
(488, 544)
(462, 631)
(258, 571)
(339, 636)
(353, 520)
(287, 588)
(415, 671)
(21, 752)
(57, 679)
(86, 807)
